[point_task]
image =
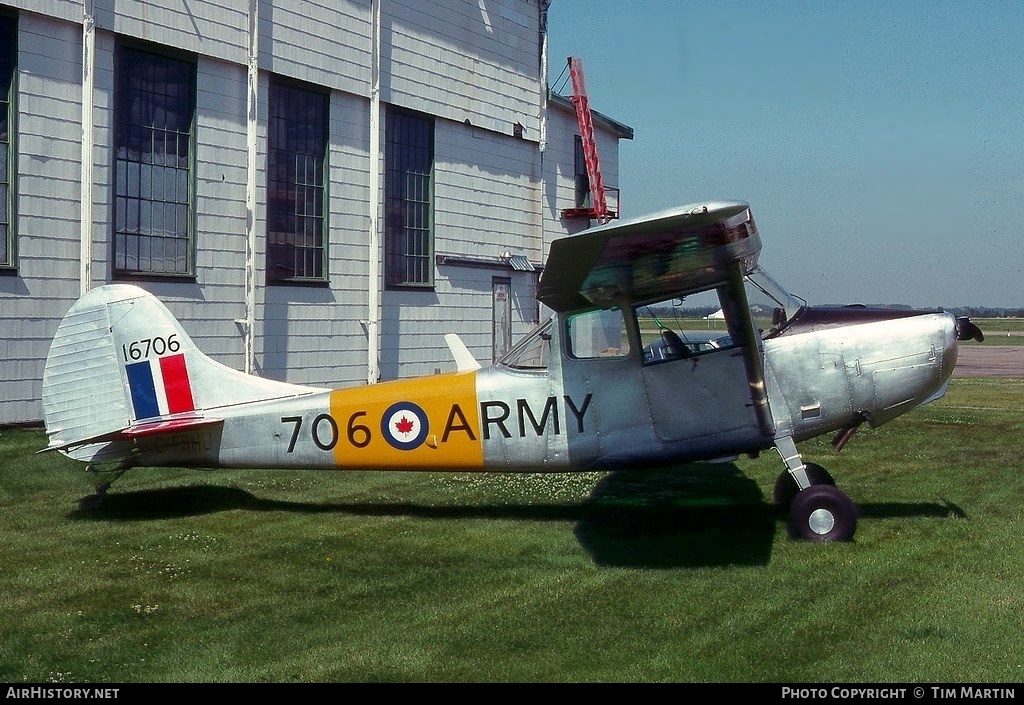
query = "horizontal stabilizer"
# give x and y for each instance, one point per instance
(167, 426)
(137, 430)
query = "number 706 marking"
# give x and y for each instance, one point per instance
(324, 431)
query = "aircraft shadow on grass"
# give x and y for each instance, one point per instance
(679, 516)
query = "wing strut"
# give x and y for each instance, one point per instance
(737, 301)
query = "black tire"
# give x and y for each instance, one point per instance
(785, 485)
(822, 513)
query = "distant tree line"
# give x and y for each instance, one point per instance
(972, 311)
(986, 312)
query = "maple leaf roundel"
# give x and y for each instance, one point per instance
(404, 425)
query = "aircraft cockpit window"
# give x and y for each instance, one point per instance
(531, 353)
(671, 332)
(785, 304)
(597, 334)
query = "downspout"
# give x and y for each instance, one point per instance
(373, 265)
(543, 77)
(542, 143)
(248, 324)
(85, 224)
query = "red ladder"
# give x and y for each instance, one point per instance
(599, 206)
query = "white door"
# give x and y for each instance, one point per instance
(501, 291)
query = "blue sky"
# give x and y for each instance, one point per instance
(880, 144)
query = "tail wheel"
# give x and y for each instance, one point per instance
(822, 513)
(785, 485)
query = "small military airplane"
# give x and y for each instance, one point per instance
(603, 383)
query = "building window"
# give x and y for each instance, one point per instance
(582, 178)
(408, 198)
(8, 52)
(153, 214)
(296, 187)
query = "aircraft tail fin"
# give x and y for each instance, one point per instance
(121, 366)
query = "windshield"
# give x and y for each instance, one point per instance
(763, 282)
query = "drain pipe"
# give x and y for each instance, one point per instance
(542, 144)
(373, 266)
(86, 215)
(248, 324)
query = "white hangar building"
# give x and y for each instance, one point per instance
(317, 189)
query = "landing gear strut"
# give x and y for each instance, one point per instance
(818, 510)
(786, 488)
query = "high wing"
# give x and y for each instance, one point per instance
(678, 251)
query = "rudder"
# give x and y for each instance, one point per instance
(84, 394)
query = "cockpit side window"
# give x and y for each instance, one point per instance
(671, 332)
(597, 334)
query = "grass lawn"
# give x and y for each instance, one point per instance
(672, 574)
(1000, 331)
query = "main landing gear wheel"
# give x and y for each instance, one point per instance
(822, 513)
(785, 485)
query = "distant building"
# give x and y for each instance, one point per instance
(381, 172)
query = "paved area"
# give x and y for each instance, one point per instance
(990, 361)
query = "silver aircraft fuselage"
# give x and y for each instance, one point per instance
(826, 371)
